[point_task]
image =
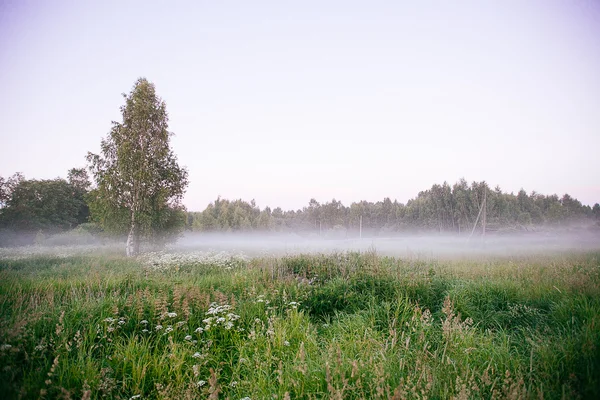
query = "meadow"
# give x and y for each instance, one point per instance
(347, 325)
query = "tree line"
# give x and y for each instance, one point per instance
(442, 208)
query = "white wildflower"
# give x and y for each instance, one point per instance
(144, 322)
(199, 330)
(196, 355)
(232, 317)
(286, 343)
(201, 383)
(158, 327)
(171, 315)
(169, 329)
(188, 337)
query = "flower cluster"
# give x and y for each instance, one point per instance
(114, 323)
(162, 261)
(219, 316)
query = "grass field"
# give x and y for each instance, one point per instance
(339, 326)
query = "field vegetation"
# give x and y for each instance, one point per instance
(345, 325)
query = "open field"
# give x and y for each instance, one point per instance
(336, 325)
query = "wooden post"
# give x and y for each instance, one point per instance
(360, 229)
(484, 210)
(477, 220)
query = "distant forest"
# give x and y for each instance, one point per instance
(443, 208)
(30, 209)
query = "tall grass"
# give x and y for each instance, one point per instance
(313, 326)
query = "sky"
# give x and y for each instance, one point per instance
(286, 101)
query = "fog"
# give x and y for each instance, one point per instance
(419, 246)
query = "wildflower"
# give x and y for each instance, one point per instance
(242, 360)
(158, 327)
(180, 323)
(144, 322)
(145, 330)
(171, 315)
(207, 320)
(110, 329)
(169, 329)
(286, 343)
(220, 319)
(121, 322)
(137, 396)
(232, 317)
(228, 325)
(109, 320)
(196, 355)
(246, 398)
(233, 384)
(188, 337)
(201, 383)
(5, 346)
(199, 330)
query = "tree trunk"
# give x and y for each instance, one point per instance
(136, 240)
(133, 241)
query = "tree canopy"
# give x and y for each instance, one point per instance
(442, 208)
(29, 205)
(139, 184)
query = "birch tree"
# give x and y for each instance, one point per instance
(137, 175)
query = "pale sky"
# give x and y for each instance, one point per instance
(282, 101)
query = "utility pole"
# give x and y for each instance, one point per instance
(484, 210)
(360, 228)
(477, 220)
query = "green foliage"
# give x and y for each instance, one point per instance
(50, 206)
(325, 326)
(139, 182)
(443, 208)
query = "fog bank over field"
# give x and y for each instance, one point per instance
(420, 246)
(206, 246)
